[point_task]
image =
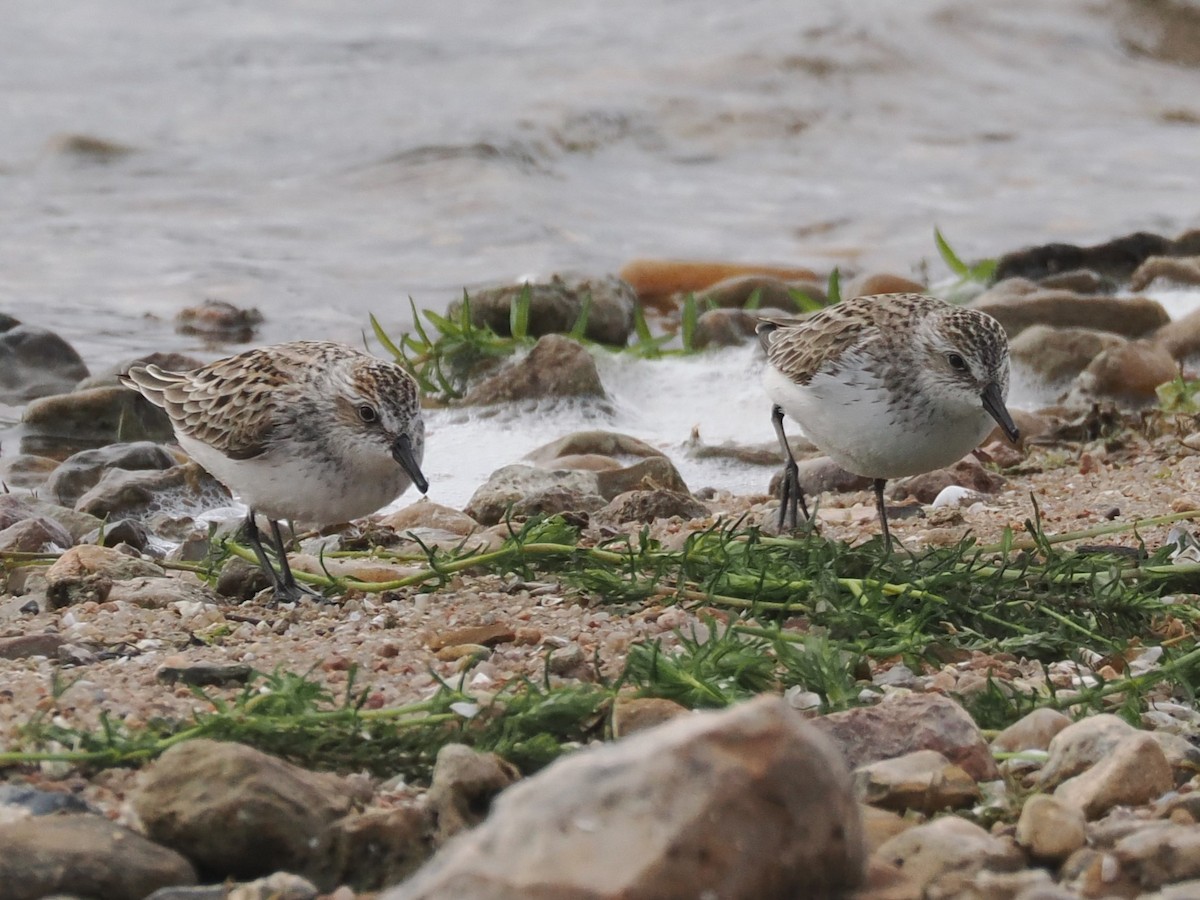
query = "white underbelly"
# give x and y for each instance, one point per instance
(864, 433)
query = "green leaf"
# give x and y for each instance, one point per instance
(518, 313)
(834, 289)
(384, 340)
(804, 302)
(579, 329)
(687, 326)
(956, 265)
(754, 301)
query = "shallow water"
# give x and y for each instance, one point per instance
(322, 161)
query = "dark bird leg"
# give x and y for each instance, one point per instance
(255, 539)
(790, 495)
(882, 507)
(288, 589)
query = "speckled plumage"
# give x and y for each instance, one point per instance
(887, 385)
(309, 430)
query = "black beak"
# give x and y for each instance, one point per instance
(993, 402)
(402, 452)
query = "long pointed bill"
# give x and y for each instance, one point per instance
(993, 402)
(402, 452)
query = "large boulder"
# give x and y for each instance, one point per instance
(91, 418)
(35, 362)
(80, 471)
(555, 307)
(556, 367)
(1018, 309)
(745, 803)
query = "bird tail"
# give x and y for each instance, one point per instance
(150, 381)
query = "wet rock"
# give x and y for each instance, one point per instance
(1180, 338)
(84, 855)
(923, 780)
(123, 531)
(651, 816)
(1118, 258)
(657, 281)
(91, 418)
(88, 572)
(520, 484)
(647, 506)
(204, 673)
(1127, 316)
(1050, 829)
(35, 363)
(121, 493)
(967, 473)
(233, 810)
(903, 723)
(21, 646)
(380, 847)
(1172, 269)
(946, 845)
(1127, 374)
(653, 473)
(556, 367)
(26, 470)
(883, 283)
(633, 714)
(1135, 772)
(41, 803)
(1033, 731)
(1160, 856)
(555, 307)
(587, 443)
(462, 788)
(725, 328)
(1080, 746)
(427, 514)
(36, 535)
(81, 471)
(1056, 354)
(219, 320)
(1080, 281)
(771, 293)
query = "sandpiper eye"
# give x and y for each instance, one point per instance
(367, 413)
(956, 362)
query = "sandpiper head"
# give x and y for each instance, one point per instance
(379, 402)
(966, 354)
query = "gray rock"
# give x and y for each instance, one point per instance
(379, 847)
(139, 494)
(14, 509)
(516, 483)
(555, 307)
(1117, 258)
(26, 470)
(772, 293)
(968, 472)
(81, 471)
(556, 367)
(1160, 856)
(819, 475)
(647, 506)
(652, 816)
(35, 363)
(946, 845)
(88, 572)
(91, 418)
(463, 786)
(236, 811)
(903, 723)
(1136, 771)
(86, 855)
(725, 328)
(652, 473)
(39, 802)
(122, 531)
(204, 673)
(241, 580)
(586, 443)
(1058, 354)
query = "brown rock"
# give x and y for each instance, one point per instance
(923, 780)
(1128, 373)
(656, 281)
(377, 848)
(589, 443)
(556, 305)
(884, 283)
(1056, 354)
(123, 493)
(650, 818)
(20, 646)
(556, 367)
(26, 470)
(652, 473)
(463, 786)
(236, 811)
(520, 487)
(14, 509)
(426, 514)
(725, 328)
(1180, 338)
(1174, 269)
(903, 723)
(949, 844)
(219, 319)
(1080, 745)
(771, 292)
(819, 475)
(35, 535)
(88, 572)
(1033, 731)
(486, 635)
(1160, 856)
(92, 417)
(1136, 772)
(1050, 829)
(968, 472)
(84, 855)
(1128, 316)
(1080, 281)
(633, 714)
